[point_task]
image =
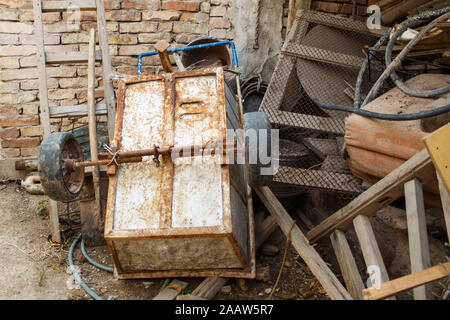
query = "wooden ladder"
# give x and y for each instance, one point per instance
(405, 180)
(44, 57)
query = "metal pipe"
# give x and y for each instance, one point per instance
(198, 46)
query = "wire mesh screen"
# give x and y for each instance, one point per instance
(320, 60)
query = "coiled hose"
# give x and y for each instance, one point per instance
(441, 14)
(93, 262)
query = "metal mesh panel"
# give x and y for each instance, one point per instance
(320, 60)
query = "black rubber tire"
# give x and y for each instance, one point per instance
(257, 121)
(51, 171)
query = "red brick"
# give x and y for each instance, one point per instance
(21, 142)
(141, 5)
(7, 111)
(181, 5)
(220, 23)
(9, 133)
(10, 152)
(123, 15)
(28, 152)
(18, 121)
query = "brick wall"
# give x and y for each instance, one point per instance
(344, 7)
(134, 26)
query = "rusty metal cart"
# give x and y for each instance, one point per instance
(170, 212)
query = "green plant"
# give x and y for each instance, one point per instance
(42, 206)
(41, 275)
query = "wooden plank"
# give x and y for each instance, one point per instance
(399, 11)
(376, 197)
(322, 55)
(419, 250)
(92, 123)
(313, 260)
(369, 248)
(268, 226)
(44, 106)
(110, 99)
(439, 149)
(322, 147)
(209, 287)
(70, 57)
(407, 282)
(171, 291)
(79, 110)
(347, 263)
(61, 5)
(445, 199)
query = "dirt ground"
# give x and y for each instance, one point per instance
(34, 268)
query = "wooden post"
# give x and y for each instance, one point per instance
(419, 251)
(110, 99)
(369, 247)
(347, 263)
(315, 263)
(162, 46)
(43, 106)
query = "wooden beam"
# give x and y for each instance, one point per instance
(70, 57)
(60, 5)
(313, 260)
(445, 199)
(347, 263)
(92, 123)
(419, 250)
(407, 282)
(370, 250)
(44, 106)
(388, 189)
(79, 110)
(110, 99)
(171, 291)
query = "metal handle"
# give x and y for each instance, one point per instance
(198, 46)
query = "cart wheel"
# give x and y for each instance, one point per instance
(59, 182)
(257, 129)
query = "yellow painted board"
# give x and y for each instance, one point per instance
(438, 146)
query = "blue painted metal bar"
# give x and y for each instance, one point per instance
(198, 46)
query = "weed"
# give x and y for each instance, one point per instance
(42, 206)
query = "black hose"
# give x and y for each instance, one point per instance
(386, 116)
(415, 22)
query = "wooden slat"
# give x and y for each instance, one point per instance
(376, 197)
(76, 111)
(369, 248)
(44, 106)
(419, 251)
(61, 5)
(110, 99)
(347, 264)
(407, 282)
(70, 57)
(169, 293)
(445, 199)
(313, 260)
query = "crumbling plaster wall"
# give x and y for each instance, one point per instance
(260, 60)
